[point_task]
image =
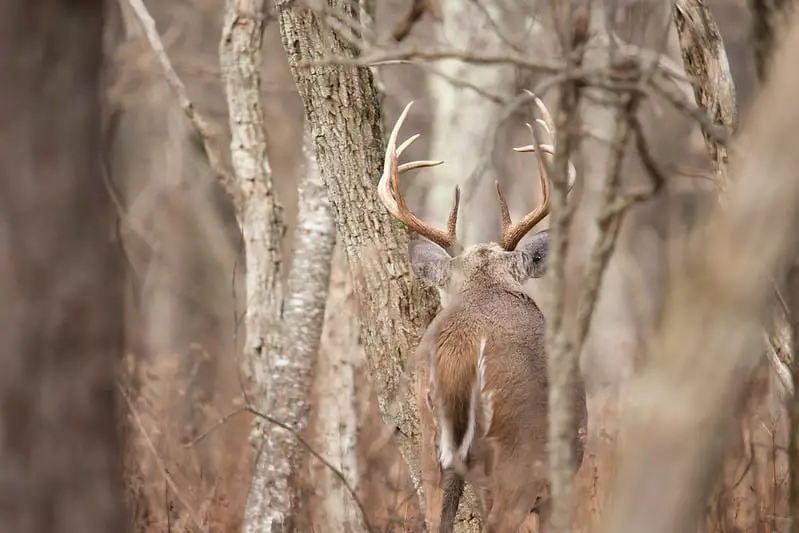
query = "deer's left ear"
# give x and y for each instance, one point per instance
(531, 255)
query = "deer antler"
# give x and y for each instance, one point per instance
(513, 233)
(388, 189)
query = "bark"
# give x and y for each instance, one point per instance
(260, 217)
(760, 425)
(282, 337)
(346, 119)
(706, 62)
(709, 339)
(259, 213)
(60, 276)
(291, 379)
(561, 358)
(336, 419)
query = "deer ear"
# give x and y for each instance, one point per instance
(531, 254)
(430, 262)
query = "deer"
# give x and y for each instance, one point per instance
(484, 353)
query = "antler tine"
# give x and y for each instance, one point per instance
(388, 189)
(513, 233)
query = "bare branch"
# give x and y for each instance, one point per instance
(436, 55)
(198, 120)
(286, 428)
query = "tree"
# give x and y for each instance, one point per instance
(61, 276)
(710, 336)
(346, 123)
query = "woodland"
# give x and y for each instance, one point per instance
(209, 317)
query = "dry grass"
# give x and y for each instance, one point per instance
(172, 487)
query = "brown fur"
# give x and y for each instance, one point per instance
(507, 459)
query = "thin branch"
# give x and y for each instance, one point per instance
(562, 363)
(198, 120)
(612, 208)
(305, 444)
(438, 55)
(609, 224)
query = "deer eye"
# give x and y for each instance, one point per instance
(537, 257)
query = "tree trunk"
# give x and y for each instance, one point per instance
(462, 113)
(60, 277)
(342, 108)
(769, 21)
(335, 419)
(706, 62)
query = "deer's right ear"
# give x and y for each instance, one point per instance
(430, 263)
(532, 254)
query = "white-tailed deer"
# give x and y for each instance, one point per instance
(484, 353)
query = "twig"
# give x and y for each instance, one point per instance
(222, 421)
(200, 122)
(609, 224)
(715, 132)
(562, 363)
(438, 55)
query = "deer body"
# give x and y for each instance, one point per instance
(485, 356)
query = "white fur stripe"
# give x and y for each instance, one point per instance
(471, 428)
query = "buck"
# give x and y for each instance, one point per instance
(484, 353)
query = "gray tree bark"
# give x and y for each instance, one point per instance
(61, 276)
(706, 62)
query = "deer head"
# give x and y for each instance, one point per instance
(484, 353)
